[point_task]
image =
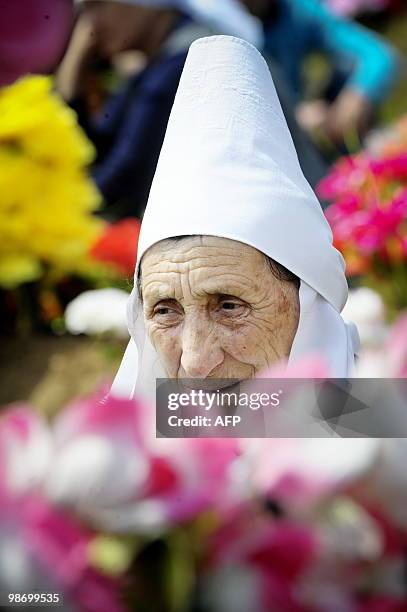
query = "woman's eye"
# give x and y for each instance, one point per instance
(165, 310)
(230, 306)
(162, 311)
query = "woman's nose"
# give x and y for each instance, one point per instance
(201, 351)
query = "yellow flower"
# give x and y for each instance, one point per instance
(34, 118)
(15, 269)
(46, 196)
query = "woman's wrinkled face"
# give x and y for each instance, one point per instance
(214, 309)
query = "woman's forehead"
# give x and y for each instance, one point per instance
(186, 249)
(211, 266)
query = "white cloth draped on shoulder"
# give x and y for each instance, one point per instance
(228, 168)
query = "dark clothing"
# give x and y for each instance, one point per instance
(130, 130)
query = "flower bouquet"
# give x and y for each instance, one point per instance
(368, 216)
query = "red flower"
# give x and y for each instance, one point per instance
(118, 245)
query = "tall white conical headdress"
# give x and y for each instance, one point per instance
(228, 167)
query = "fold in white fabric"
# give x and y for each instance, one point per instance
(228, 167)
(223, 16)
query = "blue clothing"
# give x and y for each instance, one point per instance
(301, 27)
(129, 132)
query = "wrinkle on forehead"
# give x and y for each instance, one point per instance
(185, 253)
(208, 266)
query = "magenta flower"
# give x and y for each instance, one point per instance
(352, 176)
(346, 178)
(99, 459)
(110, 468)
(41, 547)
(44, 549)
(257, 565)
(391, 168)
(368, 213)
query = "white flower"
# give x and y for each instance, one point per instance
(373, 363)
(27, 449)
(97, 312)
(93, 470)
(377, 140)
(365, 308)
(387, 481)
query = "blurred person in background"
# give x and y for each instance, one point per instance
(364, 67)
(128, 128)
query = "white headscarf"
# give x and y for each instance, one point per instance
(223, 16)
(228, 167)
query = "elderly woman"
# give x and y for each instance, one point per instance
(236, 270)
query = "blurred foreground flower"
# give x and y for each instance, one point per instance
(42, 548)
(366, 309)
(260, 568)
(104, 462)
(108, 465)
(387, 358)
(98, 312)
(46, 197)
(296, 525)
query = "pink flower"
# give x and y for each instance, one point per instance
(299, 473)
(99, 459)
(205, 469)
(109, 467)
(42, 548)
(392, 168)
(369, 210)
(255, 564)
(346, 178)
(45, 549)
(360, 175)
(186, 477)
